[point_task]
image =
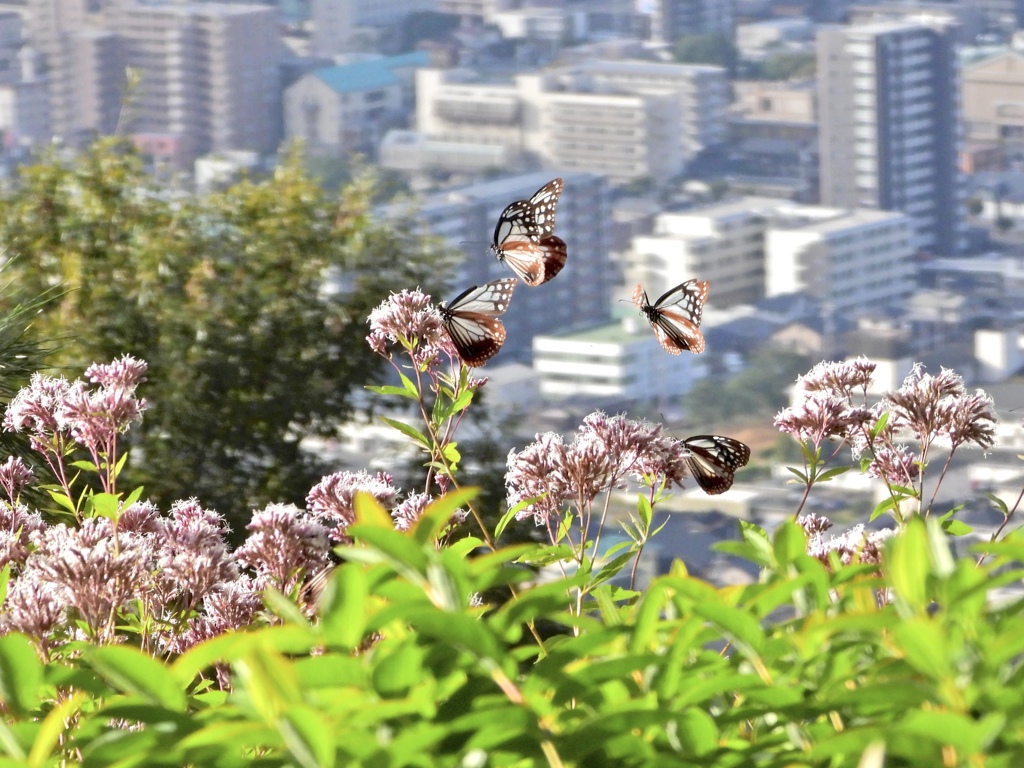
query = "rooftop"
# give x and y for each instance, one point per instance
(369, 75)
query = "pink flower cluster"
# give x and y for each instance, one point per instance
(855, 545)
(605, 452)
(928, 408)
(410, 319)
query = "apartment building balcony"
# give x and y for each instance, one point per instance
(476, 110)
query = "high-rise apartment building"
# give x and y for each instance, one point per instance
(672, 19)
(84, 63)
(208, 73)
(336, 22)
(889, 136)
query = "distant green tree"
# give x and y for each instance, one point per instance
(706, 49)
(759, 389)
(785, 66)
(226, 297)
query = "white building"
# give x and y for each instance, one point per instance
(722, 243)
(628, 120)
(346, 108)
(851, 261)
(616, 361)
(751, 247)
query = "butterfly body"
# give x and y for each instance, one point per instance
(676, 315)
(713, 461)
(471, 320)
(524, 236)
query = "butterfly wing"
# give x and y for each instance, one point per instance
(477, 338)
(713, 461)
(526, 259)
(471, 320)
(543, 203)
(553, 254)
(524, 239)
(516, 222)
(491, 299)
(676, 315)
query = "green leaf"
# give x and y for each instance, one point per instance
(438, 514)
(408, 431)
(5, 577)
(409, 385)
(343, 606)
(132, 671)
(53, 727)
(511, 513)
(21, 674)
(908, 558)
(392, 390)
(740, 626)
(283, 607)
(790, 542)
(395, 673)
(267, 679)
(924, 647)
(307, 737)
(457, 630)
(103, 505)
(132, 497)
(696, 731)
(461, 403)
(451, 454)
(828, 474)
(62, 500)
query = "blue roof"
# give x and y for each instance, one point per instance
(369, 75)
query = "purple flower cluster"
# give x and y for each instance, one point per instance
(929, 408)
(827, 409)
(855, 545)
(411, 319)
(605, 452)
(940, 407)
(285, 544)
(55, 413)
(332, 500)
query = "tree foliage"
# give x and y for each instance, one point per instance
(783, 66)
(706, 49)
(225, 297)
(760, 388)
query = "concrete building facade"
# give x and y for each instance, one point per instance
(627, 120)
(722, 243)
(889, 106)
(850, 261)
(614, 362)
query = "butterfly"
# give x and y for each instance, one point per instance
(471, 320)
(713, 461)
(524, 236)
(676, 315)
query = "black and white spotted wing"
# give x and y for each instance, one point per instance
(471, 320)
(676, 315)
(713, 461)
(524, 236)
